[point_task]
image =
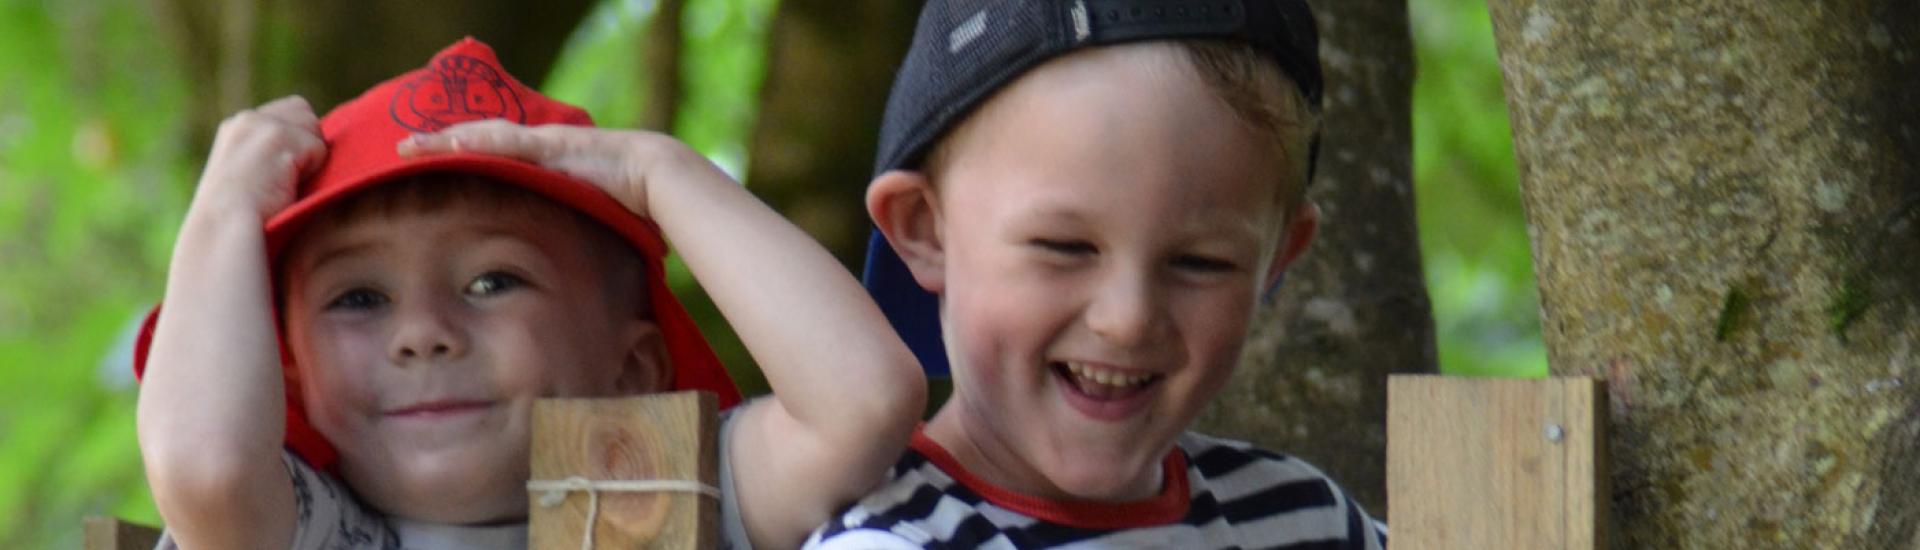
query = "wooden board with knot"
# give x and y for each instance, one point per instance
(668, 437)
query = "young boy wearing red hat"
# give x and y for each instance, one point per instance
(1079, 204)
(362, 308)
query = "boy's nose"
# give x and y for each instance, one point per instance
(1125, 310)
(425, 332)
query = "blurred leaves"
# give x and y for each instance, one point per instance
(89, 112)
(1473, 238)
(94, 172)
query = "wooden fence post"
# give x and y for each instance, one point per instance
(1496, 463)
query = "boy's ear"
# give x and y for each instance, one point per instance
(644, 369)
(906, 208)
(1302, 225)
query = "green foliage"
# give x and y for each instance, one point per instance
(722, 63)
(89, 170)
(94, 173)
(1473, 238)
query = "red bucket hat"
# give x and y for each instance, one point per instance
(461, 83)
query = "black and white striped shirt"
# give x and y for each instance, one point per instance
(1232, 496)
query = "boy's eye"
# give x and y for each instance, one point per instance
(357, 299)
(1065, 247)
(493, 282)
(1204, 264)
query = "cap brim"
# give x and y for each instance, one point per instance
(914, 312)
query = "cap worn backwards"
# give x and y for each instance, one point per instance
(965, 50)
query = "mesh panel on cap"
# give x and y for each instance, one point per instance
(938, 83)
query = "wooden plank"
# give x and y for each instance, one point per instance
(669, 436)
(105, 533)
(1477, 463)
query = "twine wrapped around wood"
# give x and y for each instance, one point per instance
(648, 465)
(554, 492)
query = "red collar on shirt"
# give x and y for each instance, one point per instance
(1167, 507)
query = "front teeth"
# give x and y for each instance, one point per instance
(1107, 377)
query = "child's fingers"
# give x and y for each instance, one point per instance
(293, 110)
(259, 134)
(311, 154)
(487, 137)
(598, 157)
(262, 152)
(287, 125)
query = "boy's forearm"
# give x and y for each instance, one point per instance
(847, 391)
(815, 332)
(214, 365)
(210, 411)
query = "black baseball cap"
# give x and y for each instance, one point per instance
(965, 50)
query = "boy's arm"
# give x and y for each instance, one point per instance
(848, 393)
(211, 411)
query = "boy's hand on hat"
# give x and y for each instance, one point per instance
(259, 156)
(619, 162)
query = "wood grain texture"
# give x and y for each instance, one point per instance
(1496, 463)
(105, 533)
(669, 436)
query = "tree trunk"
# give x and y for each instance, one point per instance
(1313, 381)
(829, 67)
(660, 60)
(242, 52)
(1721, 198)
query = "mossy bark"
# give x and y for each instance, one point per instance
(1312, 381)
(1721, 197)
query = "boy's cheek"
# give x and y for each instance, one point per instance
(337, 368)
(1216, 333)
(1227, 308)
(333, 407)
(522, 361)
(333, 391)
(996, 346)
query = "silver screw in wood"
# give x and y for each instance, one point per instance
(1555, 433)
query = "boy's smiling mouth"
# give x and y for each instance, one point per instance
(439, 408)
(1103, 392)
(1099, 380)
